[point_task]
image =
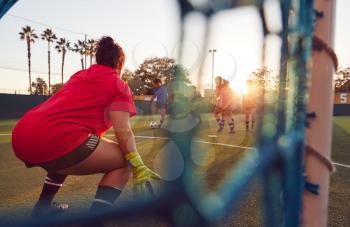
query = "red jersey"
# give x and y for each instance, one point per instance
(60, 124)
(218, 90)
(227, 97)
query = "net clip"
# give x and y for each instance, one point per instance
(318, 13)
(312, 188)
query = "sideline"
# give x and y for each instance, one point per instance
(201, 141)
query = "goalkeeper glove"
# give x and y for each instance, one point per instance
(141, 173)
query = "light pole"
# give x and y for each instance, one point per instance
(212, 67)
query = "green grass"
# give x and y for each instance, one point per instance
(20, 186)
(339, 196)
(342, 122)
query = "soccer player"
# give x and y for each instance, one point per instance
(227, 101)
(64, 135)
(249, 106)
(218, 108)
(161, 94)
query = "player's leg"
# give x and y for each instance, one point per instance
(53, 182)
(218, 113)
(230, 121)
(162, 115)
(253, 116)
(222, 120)
(105, 158)
(247, 113)
(225, 118)
(108, 159)
(217, 116)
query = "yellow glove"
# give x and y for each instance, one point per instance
(141, 173)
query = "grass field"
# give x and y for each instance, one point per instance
(20, 186)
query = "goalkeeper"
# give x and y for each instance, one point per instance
(64, 135)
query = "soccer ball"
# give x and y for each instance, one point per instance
(153, 124)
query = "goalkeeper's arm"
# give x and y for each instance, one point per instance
(126, 140)
(123, 131)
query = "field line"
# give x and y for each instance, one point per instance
(197, 141)
(224, 144)
(152, 137)
(200, 141)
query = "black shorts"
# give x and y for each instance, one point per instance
(71, 158)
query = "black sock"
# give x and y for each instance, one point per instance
(222, 124)
(247, 125)
(232, 125)
(53, 182)
(104, 198)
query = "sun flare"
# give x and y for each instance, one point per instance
(239, 87)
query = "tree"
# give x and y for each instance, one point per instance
(28, 34)
(40, 87)
(181, 94)
(80, 47)
(91, 49)
(127, 75)
(135, 83)
(342, 81)
(180, 73)
(63, 46)
(50, 37)
(56, 87)
(264, 78)
(152, 68)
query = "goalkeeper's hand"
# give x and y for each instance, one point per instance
(141, 173)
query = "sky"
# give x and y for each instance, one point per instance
(146, 29)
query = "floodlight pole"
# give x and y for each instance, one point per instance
(212, 67)
(319, 132)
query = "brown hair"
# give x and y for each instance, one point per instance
(225, 82)
(219, 78)
(109, 53)
(157, 81)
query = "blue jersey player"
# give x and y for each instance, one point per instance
(161, 96)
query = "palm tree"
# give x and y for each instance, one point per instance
(49, 36)
(80, 48)
(28, 34)
(62, 46)
(91, 48)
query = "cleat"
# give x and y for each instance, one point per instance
(40, 211)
